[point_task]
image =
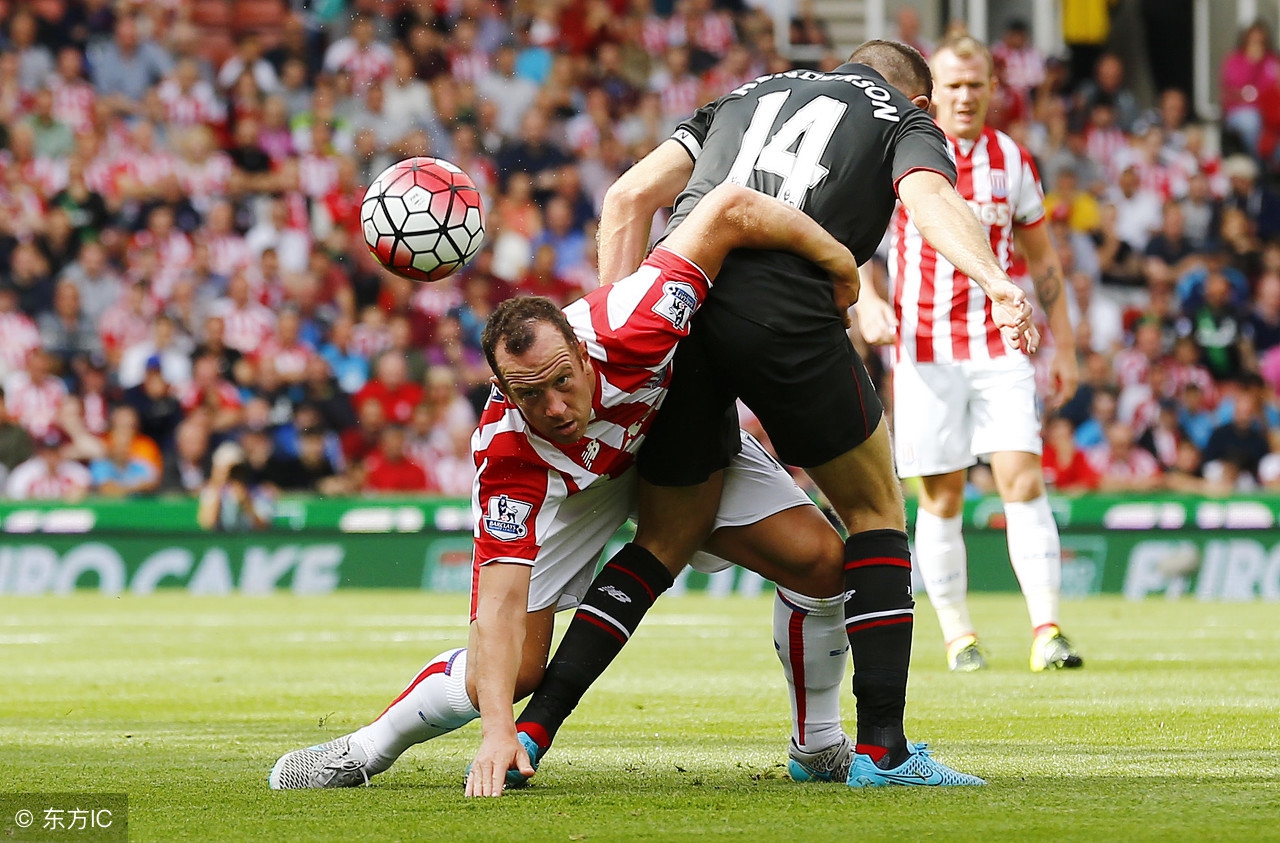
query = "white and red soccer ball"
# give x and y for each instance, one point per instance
(422, 218)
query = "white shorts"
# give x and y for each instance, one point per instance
(755, 487)
(946, 415)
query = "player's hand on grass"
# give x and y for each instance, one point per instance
(1012, 314)
(497, 754)
(877, 322)
(1064, 375)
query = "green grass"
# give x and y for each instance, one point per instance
(1172, 732)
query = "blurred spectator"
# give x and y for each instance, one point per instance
(33, 394)
(158, 408)
(1121, 465)
(361, 439)
(1215, 323)
(1023, 63)
(246, 323)
(1138, 209)
(367, 61)
(1065, 467)
(16, 445)
(452, 470)
(1108, 84)
(231, 500)
(48, 475)
(1249, 79)
(120, 473)
(392, 389)
(908, 30)
(388, 469)
(29, 274)
(1242, 442)
(212, 394)
(66, 332)
(165, 350)
(125, 67)
(188, 464)
(98, 285)
(19, 335)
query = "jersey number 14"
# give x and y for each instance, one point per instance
(800, 171)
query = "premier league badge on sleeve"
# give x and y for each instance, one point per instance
(505, 517)
(679, 301)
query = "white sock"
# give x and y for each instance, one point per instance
(1036, 553)
(809, 638)
(435, 702)
(940, 553)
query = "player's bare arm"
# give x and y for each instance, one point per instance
(731, 217)
(947, 223)
(876, 321)
(651, 184)
(1046, 273)
(497, 645)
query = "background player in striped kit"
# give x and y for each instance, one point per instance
(959, 392)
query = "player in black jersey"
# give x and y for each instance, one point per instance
(841, 146)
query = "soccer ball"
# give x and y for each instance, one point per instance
(422, 218)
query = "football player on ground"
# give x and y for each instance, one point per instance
(575, 396)
(958, 391)
(843, 147)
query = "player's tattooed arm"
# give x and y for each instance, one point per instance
(1048, 286)
(1046, 273)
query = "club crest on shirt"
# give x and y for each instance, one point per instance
(679, 301)
(999, 184)
(505, 518)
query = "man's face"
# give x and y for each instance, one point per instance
(552, 383)
(962, 90)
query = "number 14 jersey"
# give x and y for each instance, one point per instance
(833, 145)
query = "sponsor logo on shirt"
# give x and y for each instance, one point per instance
(679, 301)
(505, 518)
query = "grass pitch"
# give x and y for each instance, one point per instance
(1171, 732)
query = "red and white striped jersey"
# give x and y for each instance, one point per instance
(367, 66)
(33, 481)
(206, 179)
(73, 104)
(228, 253)
(121, 326)
(317, 174)
(630, 329)
(681, 95)
(19, 336)
(943, 315)
(34, 406)
(468, 67)
(246, 328)
(200, 105)
(289, 361)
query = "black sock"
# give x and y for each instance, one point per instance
(878, 612)
(613, 607)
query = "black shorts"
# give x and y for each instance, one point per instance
(810, 391)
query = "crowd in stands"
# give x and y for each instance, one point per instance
(186, 302)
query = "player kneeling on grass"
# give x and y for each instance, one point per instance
(575, 395)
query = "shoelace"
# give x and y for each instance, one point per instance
(348, 764)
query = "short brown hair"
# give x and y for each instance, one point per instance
(514, 324)
(900, 64)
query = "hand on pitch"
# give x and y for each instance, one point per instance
(1012, 314)
(496, 755)
(877, 322)
(1064, 375)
